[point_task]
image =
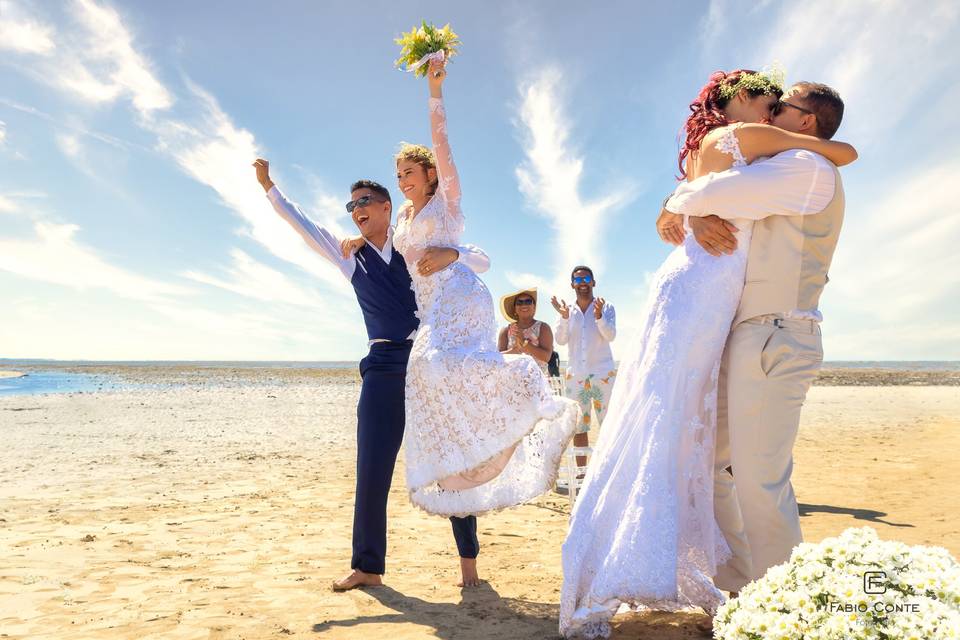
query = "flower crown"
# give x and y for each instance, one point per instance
(764, 82)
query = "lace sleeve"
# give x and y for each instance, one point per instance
(729, 144)
(449, 181)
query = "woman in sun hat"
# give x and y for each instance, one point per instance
(525, 334)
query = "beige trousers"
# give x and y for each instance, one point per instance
(768, 366)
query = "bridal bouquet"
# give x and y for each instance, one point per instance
(852, 587)
(424, 44)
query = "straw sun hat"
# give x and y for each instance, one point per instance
(506, 302)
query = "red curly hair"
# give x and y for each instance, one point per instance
(706, 111)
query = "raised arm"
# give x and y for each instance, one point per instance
(764, 140)
(448, 181)
(316, 237)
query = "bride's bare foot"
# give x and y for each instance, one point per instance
(357, 579)
(468, 573)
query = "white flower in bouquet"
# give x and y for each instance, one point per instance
(852, 587)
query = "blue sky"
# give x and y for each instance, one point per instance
(131, 226)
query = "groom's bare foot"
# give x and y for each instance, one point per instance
(357, 579)
(468, 573)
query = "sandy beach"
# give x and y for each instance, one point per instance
(10, 374)
(218, 504)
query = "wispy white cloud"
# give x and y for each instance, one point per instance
(108, 66)
(217, 153)
(69, 145)
(7, 205)
(897, 263)
(54, 255)
(101, 64)
(253, 279)
(550, 177)
(23, 35)
(523, 280)
(102, 326)
(3, 132)
(826, 41)
(10, 202)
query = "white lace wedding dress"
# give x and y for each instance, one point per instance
(483, 430)
(643, 531)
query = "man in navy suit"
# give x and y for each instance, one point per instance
(381, 281)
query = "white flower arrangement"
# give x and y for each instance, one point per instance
(852, 587)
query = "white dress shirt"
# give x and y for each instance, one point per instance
(588, 339)
(792, 183)
(328, 245)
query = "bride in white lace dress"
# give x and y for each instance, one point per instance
(483, 430)
(643, 532)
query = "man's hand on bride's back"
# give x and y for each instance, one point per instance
(714, 234)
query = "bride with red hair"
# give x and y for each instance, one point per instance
(643, 531)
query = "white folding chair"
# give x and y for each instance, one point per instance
(571, 473)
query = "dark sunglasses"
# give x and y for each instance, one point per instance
(582, 279)
(780, 104)
(523, 302)
(361, 202)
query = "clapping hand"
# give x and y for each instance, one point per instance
(598, 307)
(561, 307)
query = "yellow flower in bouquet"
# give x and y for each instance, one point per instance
(419, 46)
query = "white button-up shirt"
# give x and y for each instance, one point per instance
(792, 183)
(588, 340)
(328, 245)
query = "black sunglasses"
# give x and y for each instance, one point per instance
(361, 202)
(582, 279)
(523, 302)
(780, 104)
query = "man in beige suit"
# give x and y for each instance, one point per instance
(774, 351)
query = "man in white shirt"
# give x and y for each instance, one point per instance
(774, 351)
(587, 328)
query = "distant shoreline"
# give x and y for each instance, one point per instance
(218, 374)
(11, 374)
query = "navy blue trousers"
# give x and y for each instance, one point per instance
(380, 421)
